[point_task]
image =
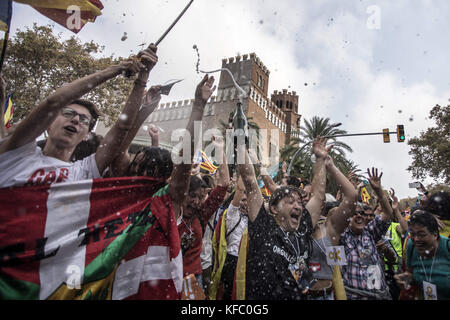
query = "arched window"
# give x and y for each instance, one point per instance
(259, 81)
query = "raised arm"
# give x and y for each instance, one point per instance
(254, 196)
(268, 181)
(339, 219)
(45, 112)
(154, 134)
(179, 184)
(239, 193)
(112, 143)
(318, 185)
(375, 182)
(223, 175)
(403, 225)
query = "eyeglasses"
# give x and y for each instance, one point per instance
(70, 114)
(364, 215)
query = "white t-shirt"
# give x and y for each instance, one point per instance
(27, 165)
(232, 219)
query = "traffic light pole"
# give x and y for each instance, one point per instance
(333, 136)
(358, 134)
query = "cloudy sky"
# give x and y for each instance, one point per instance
(365, 63)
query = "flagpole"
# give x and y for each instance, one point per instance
(173, 23)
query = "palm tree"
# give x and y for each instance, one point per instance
(302, 166)
(322, 127)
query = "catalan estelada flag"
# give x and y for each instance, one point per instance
(205, 163)
(8, 112)
(97, 239)
(71, 14)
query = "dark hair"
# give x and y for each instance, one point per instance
(195, 183)
(157, 162)
(328, 206)
(364, 206)
(439, 204)
(86, 148)
(91, 108)
(293, 181)
(281, 193)
(425, 219)
(208, 181)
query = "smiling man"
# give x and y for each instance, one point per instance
(69, 121)
(363, 275)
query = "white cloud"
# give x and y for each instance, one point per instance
(355, 75)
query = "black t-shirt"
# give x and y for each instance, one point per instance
(271, 257)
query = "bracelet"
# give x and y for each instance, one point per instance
(139, 82)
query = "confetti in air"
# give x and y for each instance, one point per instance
(242, 94)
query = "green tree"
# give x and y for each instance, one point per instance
(39, 61)
(431, 150)
(303, 165)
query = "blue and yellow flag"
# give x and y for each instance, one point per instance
(8, 112)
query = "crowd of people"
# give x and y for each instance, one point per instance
(300, 243)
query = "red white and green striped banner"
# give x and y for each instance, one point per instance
(111, 238)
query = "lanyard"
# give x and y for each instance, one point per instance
(323, 242)
(297, 251)
(432, 264)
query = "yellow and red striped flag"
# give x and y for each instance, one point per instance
(206, 163)
(71, 14)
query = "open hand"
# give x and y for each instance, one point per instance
(394, 199)
(205, 89)
(320, 148)
(374, 179)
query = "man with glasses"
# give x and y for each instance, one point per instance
(363, 275)
(68, 121)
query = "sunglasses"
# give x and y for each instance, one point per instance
(70, 114)
(363, 214)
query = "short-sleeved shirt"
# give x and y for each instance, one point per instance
(364, 270)
(27, 165)
(439, 275)
(271, 257)
(236, 223)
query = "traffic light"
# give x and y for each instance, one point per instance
(400, 133)
(386, 137)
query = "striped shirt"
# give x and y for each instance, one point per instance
(364, 269)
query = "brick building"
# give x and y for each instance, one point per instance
(279, 112)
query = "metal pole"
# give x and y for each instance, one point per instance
(173, 23)
(295, 155)
(334, 136)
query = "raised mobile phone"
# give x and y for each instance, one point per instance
(413, 185)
